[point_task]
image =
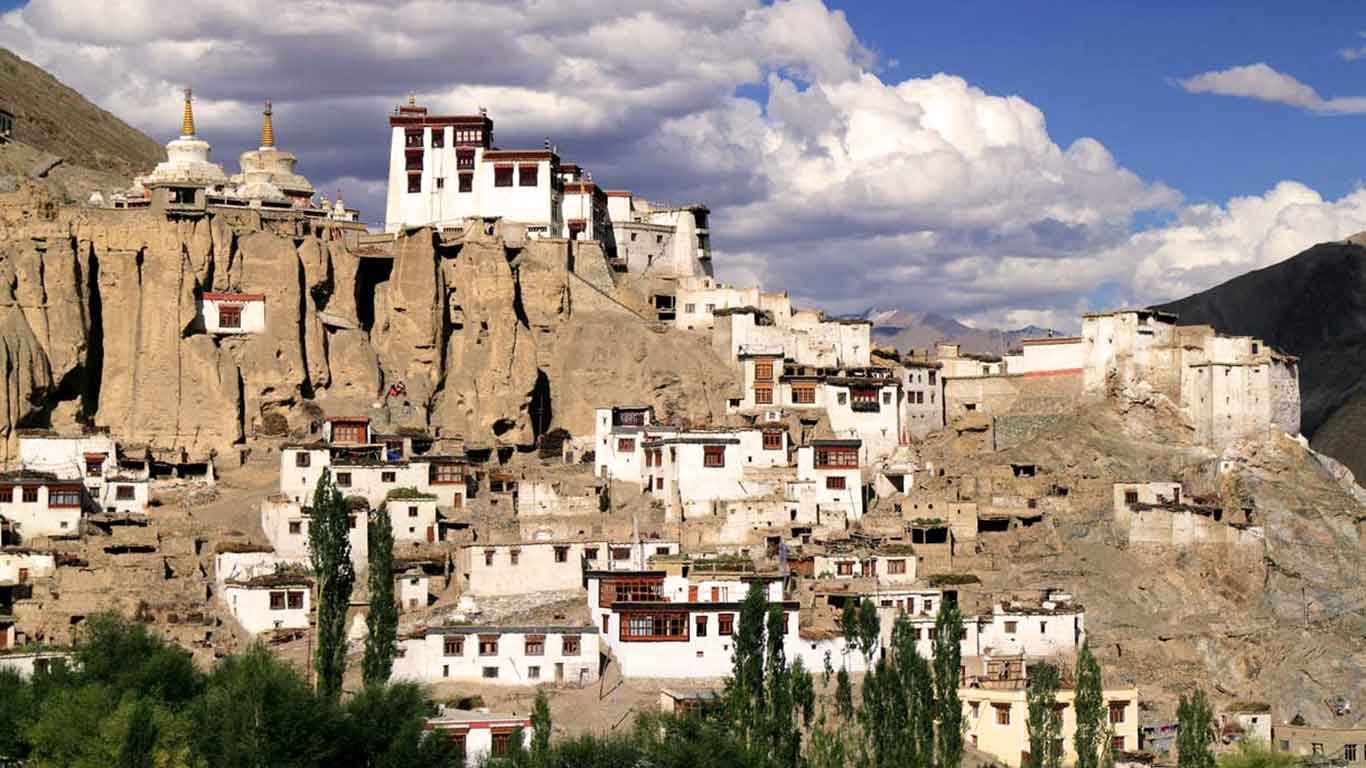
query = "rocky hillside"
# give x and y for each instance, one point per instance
(55, 119)
(1312, 305)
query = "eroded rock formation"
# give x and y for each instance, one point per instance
(490, 338)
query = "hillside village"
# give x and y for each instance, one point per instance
(591, 449)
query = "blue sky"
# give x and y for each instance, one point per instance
(1004, 163)
(1104, 70)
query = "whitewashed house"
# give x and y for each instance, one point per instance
(18, 566)
(1054, 624)
(501, 655)
(479, 735)
(38, 505)
(832, 466)
(276, 601)
(228, 314)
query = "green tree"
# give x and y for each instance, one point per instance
(1193, 718)
(125, 656)
(1091, 713)
(381, 639)
(1044, 723)
(383, 728)
(745, 689)
(1256, 754)
(948, 661)
(844, 694)
(917, 683)
(330, 548)
(17, 703)
(258, 711)
(140, 738)
(540, 723)
(70, 728)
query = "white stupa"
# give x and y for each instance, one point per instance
(268, 172)
(187, 159)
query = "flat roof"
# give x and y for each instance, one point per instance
(511, 630)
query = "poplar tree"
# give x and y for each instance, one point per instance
(1193, 717)
(381, 623)
(330, 550)
(948, 626)
(1091, 714)
(1044, 723)
(540, 726)
(745, 689)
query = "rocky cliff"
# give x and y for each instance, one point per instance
(489, 339)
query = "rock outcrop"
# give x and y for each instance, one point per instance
(490, 339)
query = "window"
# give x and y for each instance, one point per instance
(725, 624)
(773, 441)
(445, 474)
(1131, 497)
(659, 483)
(654, 626)
(514, 556)
(1316, 748)
(502, 175)
(1043, 627)
(30, 494)
(488, 557)
(711, 308)
(590, 552)
(1010, 627)
(688, 309)
(277, 600)
(1349, 751)
(763, 395)
(453, 646)
(533, 673)
(296, 527)
(932, 374)
(440, 182)
(229, 316)
(488, 645)
(630, 590)
(124, 492)
(412, 138)
(535, 645)
(836, 458)
(835, 483)
(464, 159)
(569, 645)
(561, 554)
(303, 459)
(414, 182)
(1285, 745)
(886, 398)
(412, 511)
(351, 522)
(896, 566)
(713, 456)
(491, 673)
(93, 466)
(662, 551)
(438, 138)
(804, 394)
(59, 498)
(1117, 743)
(763, 371)
(1002, 713)
(527, 174)
(343, 479)
(701, 626)
(1117, 711)
(621, 553)
(466, 182)
(296, 599)
(845, 568)
(500, 739)
(626, 445)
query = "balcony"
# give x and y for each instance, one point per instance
(865, 406)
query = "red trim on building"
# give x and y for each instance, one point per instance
(235, 296)
(519, 154)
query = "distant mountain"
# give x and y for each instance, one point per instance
(904, 330)
(54, 118)
(1312, 305)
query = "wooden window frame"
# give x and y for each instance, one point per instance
(504, 175)
(230, 316)
(571, 645)
(125, 492)
(453, 646)
(531, 171)
(30, 494)
(836, 458)
(414, 183)
(1002, 713)
(835, 483)
(663, 626)
(773, 440)
(485, 641)
(763, 371)
(303, 459)
(445, 474)
(65, 498)
(295, 599)
(626, 445)
(763, 394)
(896, 566)
(714, 456)
(534, 645)
(804, 394)
(725, 624)
(277, 600)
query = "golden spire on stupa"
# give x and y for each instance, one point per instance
(267, 129)
(187, 121)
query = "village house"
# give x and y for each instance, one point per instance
(25, 663)
(995, 720)
(113, 484)
(668, 242)
(1333, 745)
(226, 314)
(35, 505)
(865, 404)
(366, 471)
(619, 434)
(701, 298)
(693, 471)
(268, 602)
(478, 735)
(668, 623)
(583, 209)
(887, 564)
(1049, 625)
(527, 567)
(501, 655)
(833, 468)
(922, 399)
(806, 337)
(445, 169)
(413, 588)
(286, 524)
